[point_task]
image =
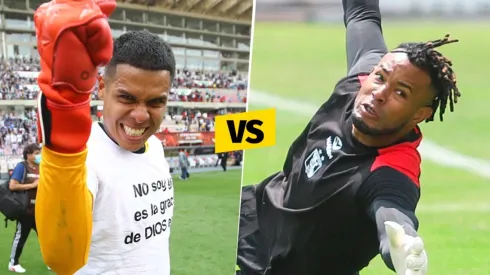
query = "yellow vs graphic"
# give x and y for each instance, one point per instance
(248, 130)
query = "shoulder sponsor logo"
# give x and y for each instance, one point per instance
(332, 145)
(314, 162)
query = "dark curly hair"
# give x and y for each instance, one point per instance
(439, 67)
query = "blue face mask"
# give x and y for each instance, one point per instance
(37, 159)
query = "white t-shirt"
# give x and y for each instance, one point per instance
(133, 208)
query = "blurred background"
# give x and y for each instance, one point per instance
(331, 10)
(211, 43)
(298, 57)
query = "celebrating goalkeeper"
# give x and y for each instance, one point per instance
(98, 180)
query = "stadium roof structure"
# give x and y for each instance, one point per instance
(233, 10)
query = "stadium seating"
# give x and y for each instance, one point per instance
(18, 82)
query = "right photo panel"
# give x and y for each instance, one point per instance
(378, 166)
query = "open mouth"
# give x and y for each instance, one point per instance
(370, 110)
(133, 133)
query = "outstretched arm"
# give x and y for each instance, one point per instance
(390, 196)
(365, 44)
(73, 38)
(382, 211)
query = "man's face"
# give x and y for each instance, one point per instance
(32, 157)
(135, 102)
(394, 98)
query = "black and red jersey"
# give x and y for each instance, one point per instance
(313, 216)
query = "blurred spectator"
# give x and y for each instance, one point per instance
(220, 80)
(12, 84)
(18, 81)
(16, 131)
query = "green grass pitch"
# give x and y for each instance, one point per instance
(303, 62)
(204, 228)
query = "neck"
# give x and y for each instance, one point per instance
(105, 129)
(378, 141)
(31, 163)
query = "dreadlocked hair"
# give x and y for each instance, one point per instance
(443, 78)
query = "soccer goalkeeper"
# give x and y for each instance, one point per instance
(105, 196)
(350, 183)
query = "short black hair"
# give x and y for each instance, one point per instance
(439, 67)
(143, 50)
(29, 149)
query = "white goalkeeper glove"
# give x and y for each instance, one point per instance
(407, 252)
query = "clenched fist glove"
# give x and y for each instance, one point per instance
(407, 252)
(73, 39)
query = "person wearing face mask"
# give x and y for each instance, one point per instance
(25, 177)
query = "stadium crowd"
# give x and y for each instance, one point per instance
(16, 131)
(189, 120)
(18, 82)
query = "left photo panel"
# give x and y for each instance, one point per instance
(107, 148)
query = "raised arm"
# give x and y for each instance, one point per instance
(365, 44)
(73, 38)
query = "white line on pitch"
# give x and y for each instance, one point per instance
(429, 149)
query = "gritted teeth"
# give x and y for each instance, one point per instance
(133, 132)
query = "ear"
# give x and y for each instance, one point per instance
(101, 86)
(422, 114)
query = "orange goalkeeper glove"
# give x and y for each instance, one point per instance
(73, 39)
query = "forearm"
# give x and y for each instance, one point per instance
(405, 218)
(360, 8)
(64, 203)
(365, 45)
(20, 187)
(64, 210)
(390, 195)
